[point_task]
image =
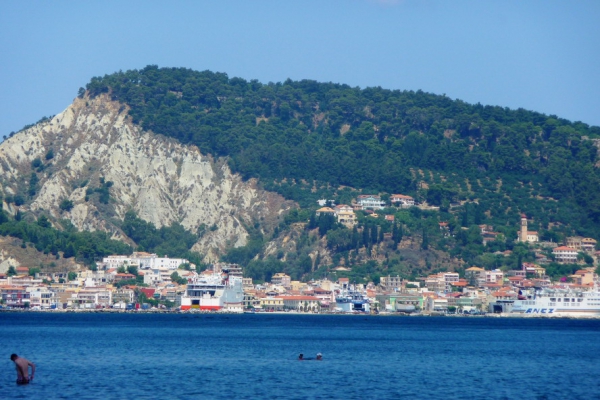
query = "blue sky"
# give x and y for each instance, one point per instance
(542, 55)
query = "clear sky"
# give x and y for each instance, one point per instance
(542, 55)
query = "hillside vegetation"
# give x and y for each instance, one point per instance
(374, 139)
(308, 140)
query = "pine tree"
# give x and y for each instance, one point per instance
(425, 243)
(373, 234)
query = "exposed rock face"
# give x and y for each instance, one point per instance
(160, 179)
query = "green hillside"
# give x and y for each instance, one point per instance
(374, 139)
(309, 140)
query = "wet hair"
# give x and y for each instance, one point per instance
(13, 357)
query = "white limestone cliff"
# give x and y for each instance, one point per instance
(160, 179)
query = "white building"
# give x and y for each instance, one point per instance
(42, 297)
(436, 304)
(281, 279)
(402, 200)
(91, 298)
(442, 282)
(345, 215)
(525, 235)
(370, 201)
(494, 276)
(155, 276)
(143, 260)
(123, 295)
(564, 254)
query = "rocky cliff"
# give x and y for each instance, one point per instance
(163, 181)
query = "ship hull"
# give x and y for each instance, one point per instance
(560, 303)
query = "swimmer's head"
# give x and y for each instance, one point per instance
(13, 357)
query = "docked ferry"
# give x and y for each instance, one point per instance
(219, 291)
(351, 301)
(560, 302)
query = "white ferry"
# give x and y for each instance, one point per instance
(219, 291)
(352, 301)
(560, 302)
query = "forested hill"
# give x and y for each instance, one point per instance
(386, 141)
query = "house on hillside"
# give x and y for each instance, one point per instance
(345, 215)
(325, 211)
(578, 243)
(370, 202)
(402, 200)
(565, 254)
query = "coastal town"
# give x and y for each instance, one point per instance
(148, 282)
(144, 281)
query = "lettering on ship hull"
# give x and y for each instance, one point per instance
(539, 311)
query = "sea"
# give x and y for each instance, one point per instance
(255, 356)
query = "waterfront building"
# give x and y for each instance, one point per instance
(435, 303)
(401, 302)
(301, 303)
(90, 298)
(271, 303)
(14, 295)
(42, 297)
(123, 295)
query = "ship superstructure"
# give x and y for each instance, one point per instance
(219, 289)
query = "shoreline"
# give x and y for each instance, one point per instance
(401, 315)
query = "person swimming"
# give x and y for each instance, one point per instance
(318, 358)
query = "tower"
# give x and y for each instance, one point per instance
(523, 234)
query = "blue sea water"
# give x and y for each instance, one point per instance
(193, 356)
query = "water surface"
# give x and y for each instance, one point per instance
(185, 356)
